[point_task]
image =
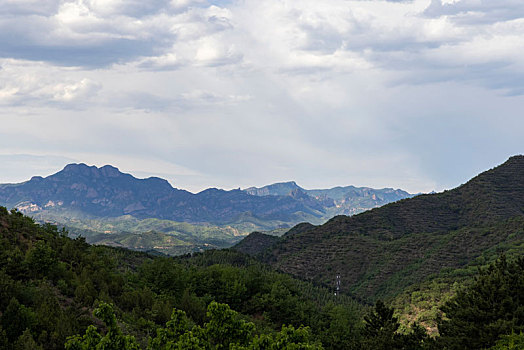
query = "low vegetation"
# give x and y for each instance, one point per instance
(56, 292)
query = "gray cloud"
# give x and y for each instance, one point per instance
(25, 84)
(99, 54)
(474, 12)
(189, 100)
(29, 7)
(93, 33)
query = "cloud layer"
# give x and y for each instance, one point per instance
(240, 93)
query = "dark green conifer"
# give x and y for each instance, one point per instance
(492, 306)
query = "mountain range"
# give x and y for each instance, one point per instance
(348, 200)
(95, 202)
(452, 262)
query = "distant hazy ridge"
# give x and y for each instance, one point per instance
(96, 202)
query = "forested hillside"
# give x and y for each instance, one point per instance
(50, 285)
(55, 290)
(382, 251)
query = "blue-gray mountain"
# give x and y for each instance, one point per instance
(107, 192)
(96, 202)
(348, 200)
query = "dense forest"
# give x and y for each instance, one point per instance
(383, 251)
(58, 292)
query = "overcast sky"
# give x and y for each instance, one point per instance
(419, 95)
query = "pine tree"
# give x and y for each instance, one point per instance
(492, 306)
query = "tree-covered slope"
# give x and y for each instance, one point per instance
(165, 236)
(380, 252)
(255, 243)
(50, 284)
(422, 302)
(56, 292)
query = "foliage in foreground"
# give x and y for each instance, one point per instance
(224, 330)
(491, 307)
(50, 284)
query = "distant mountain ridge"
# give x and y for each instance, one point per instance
(347, 200)
(107, 192)
(276, 189)
(92, 200)
(381, 251)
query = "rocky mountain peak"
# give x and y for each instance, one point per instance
(91, 171)
(276, 189)
(110, 171)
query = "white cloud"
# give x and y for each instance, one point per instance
(74, 91)
(169, 60)
(202, 99)
(26, 83)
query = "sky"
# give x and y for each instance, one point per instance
(420, 95)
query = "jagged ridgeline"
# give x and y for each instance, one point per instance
(382, 251)
(113, 208)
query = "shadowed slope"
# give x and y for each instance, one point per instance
(381, 251)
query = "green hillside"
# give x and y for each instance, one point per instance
(255, 243)
(422, 302)
(381, 252)
(165, 236)
(56, 292)
(50, 285)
